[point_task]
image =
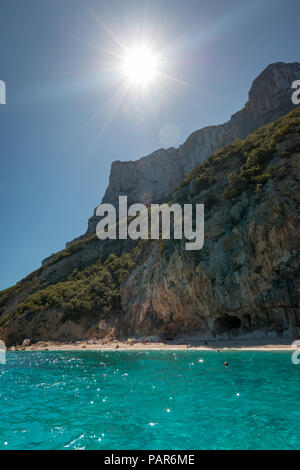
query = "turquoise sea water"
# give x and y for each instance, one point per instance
(149, 400)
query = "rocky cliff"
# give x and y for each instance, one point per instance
(245, 280)
(152, 178)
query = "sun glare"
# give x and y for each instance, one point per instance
(140, 66)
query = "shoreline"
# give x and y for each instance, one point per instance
(273, 344)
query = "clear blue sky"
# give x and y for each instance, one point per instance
(64, 122)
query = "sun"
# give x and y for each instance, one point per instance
(140, 66)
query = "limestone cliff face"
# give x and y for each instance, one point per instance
(153, 178)
(245, 280)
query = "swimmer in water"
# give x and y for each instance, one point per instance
(226, 364)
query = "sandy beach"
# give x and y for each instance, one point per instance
(276, 344)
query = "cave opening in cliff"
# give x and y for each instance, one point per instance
(227, 323)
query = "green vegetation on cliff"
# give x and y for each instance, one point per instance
(255, 153)
(94, 288)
